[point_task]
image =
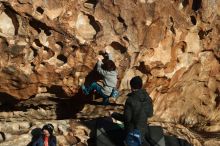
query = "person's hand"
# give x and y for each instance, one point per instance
(100, 57)
(107, 50)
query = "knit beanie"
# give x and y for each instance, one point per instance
(49, 128)
(136, 82)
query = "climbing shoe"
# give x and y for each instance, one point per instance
(105, 101)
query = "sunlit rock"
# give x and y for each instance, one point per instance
(6, 25)
(84, 29)
(48, 49)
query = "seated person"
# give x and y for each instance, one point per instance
(47, 138)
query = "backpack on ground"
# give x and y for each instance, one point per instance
(133, 138)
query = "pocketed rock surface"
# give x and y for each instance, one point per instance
(48, 47)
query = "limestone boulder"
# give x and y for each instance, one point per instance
(6, 25)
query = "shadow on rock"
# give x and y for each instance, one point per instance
(7, 102)
(105, 132)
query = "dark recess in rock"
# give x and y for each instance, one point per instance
(185, 3)
(37, 25)
(3, 136)
(94, 2)
(33, 65)
(172, 27)
(57, 90)
(120, 19)
(40, 10)
(60, 44)
(34, 51)
(143, 68)
(126, 38)
(202, 33)
(62, 58)
(196, 4)
(193, 20)
(12, 14)
(183, 48)
(217, 99)
(37, 42)
(7, 102)
(118, 46)
(96, 25)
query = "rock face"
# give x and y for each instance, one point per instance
(49, 46)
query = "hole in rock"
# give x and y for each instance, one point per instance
(172, 29)
(185, 3)
(40, 10)
(196, 4)
(48, 50)
(120, 19)
(57, 90)
(171, 19)
(43, 63)
(37, 25)
(95, 24)
(183, 46)
(217, 99)
(178, 60)
(34, 51)
(203, 103)
(3, 136)
(75, 47)
(119, 47)
(32, 64)
(47, 32)
(94, 2)
(208, 124)
(62, 58)
(126, 38)
(60, 44)
(38, 43)
(12, 14)
(143, 68)
(7, 102)
(202, 33)
(193, 20)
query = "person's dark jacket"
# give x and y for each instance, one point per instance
(138, 107)
(40, 141)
